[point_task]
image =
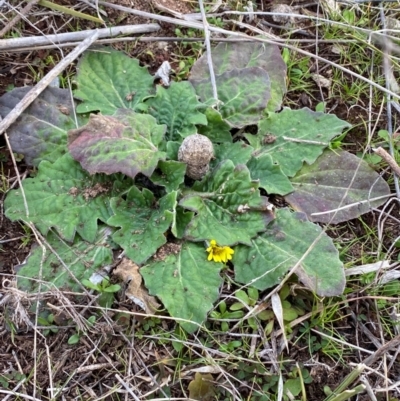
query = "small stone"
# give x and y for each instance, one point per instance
(282, 9)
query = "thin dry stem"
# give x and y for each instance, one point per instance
(18, 17)
(388, 159)
(45, 82)
(60, 38)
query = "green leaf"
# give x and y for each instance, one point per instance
(228, 56)
(228, 206)
(127, 143)
(108, 80)
(337, 180)
(74, 339)
(239, 152)
(87, 283)
(181, 221)
(186, 283)
(80, 258)
(40, 133)
(273, 253)
(112, 288)
(217, 130)
(178, 108)
(244, 94)
(271, 177)
(242, 295)
(172, 149)
(169, 174)
(64, 196)
(294, 129)
(293, 386)
(142, 225)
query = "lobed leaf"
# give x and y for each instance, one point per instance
(109, 80)
(269, 173)
(300, 136)
(63, 196)
(169, 174)
(337, 181)
(127, 143)
(228, 206)
(40, 133)
(217, 129)
(142, 225)
(239, 152)
(186, 283)
(181, 221)
(178, 108)
(244, 94)
(81, 258)
(278, 249)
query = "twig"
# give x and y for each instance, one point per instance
(17, 173)
(33, 41)
(388, 159)
(175, 39)
(16, 19)
(128, 389)
(393, 343)
(208, 48)
(307, 141)
(27, 397)
(351, 205)
(44, 82)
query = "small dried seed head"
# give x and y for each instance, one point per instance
(196, 151)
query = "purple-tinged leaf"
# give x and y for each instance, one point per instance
(124, 143)
(40, 133)
(339, 182)
(229, 56)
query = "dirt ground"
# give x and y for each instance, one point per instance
(87, 370)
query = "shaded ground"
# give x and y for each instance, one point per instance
(132, 348)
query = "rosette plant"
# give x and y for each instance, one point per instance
(107, 177)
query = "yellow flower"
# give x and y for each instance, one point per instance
(219, 253)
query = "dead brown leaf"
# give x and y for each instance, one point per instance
(128, 272)
(201, 388)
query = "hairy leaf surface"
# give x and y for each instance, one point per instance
(127, 143)
(338, 181)
(169, 174)
(270, 175)
(228, 206)
(81, 259)
(108, 80)
(217, 129)
(178, 108)
(244, 94)
(278, 249)
(228, 56)
(186, 282)
(63, 196)
(40, 133)
(143, 225)
(239, 152)
(301, 136)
